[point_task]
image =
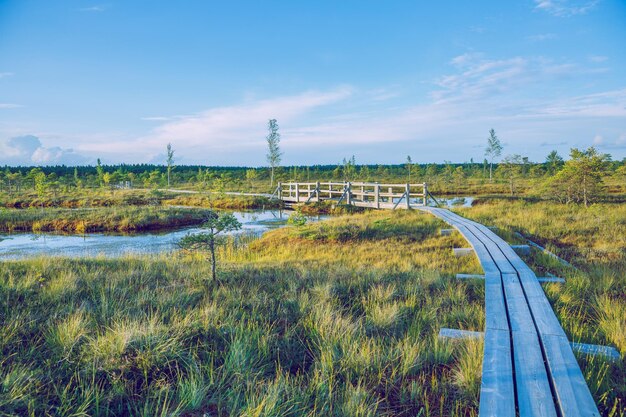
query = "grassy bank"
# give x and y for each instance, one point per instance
(112, 219)
(80, 198)
(347, 327)
(93, 198)
(224, 202)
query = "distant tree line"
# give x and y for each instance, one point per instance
(580, 179)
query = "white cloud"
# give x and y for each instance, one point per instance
(5, 74)
(478, 76)
(239, 126)
(28, 150)
(93, 9)
(598, 58)
(10, 106)
(514, 95)
(607, 104)
(565, 8)
(598, 140)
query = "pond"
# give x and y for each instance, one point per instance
(28, 245)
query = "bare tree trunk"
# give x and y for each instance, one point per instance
(212, 247)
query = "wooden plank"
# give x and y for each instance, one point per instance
(520, 318)
(521, 249)
(546, 321)
(608, 352)
(532, 287)
(458, 252)
(551, 279)
(497, 391)
(446, 333)
(469, 276)
(571, 391)
(495, 306)
(534, 396)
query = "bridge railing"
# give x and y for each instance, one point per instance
(362, 194)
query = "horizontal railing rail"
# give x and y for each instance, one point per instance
(362, 194)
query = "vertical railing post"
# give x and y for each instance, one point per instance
(425, 202)
(348, 193)
(280, 190)
(408, 194)
(317, 190)
(377, 195)
(297, 192)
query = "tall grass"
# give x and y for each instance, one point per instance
(327, 319)
(297, 328)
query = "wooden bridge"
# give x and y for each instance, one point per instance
(361, 194)
(529, 368)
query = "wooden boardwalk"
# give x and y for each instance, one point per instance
(529, 368)
(360, 194)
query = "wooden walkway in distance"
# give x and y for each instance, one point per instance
(529, 368)
(361, 194)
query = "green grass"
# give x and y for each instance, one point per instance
(221, 201)
(298, 328)
(99, 197)
(106, 219)
(336, 318)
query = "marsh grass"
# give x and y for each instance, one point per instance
(298, 328)
(109, 219)
(222, 201)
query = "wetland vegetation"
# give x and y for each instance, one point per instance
(337, 318)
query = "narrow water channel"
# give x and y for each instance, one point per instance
(28, 245)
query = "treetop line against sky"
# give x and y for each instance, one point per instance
(117, 80)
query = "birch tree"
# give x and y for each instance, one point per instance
(170, 162)
(273, 149)
(494, 150)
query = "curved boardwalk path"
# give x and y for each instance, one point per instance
(529, 368)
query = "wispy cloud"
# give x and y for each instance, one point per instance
(607, 104)
(566, 8)
(10, 106)
(93, 9)
(5, 74)
(598, 58)
(239, 126)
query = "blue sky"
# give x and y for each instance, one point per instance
(376, 79)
